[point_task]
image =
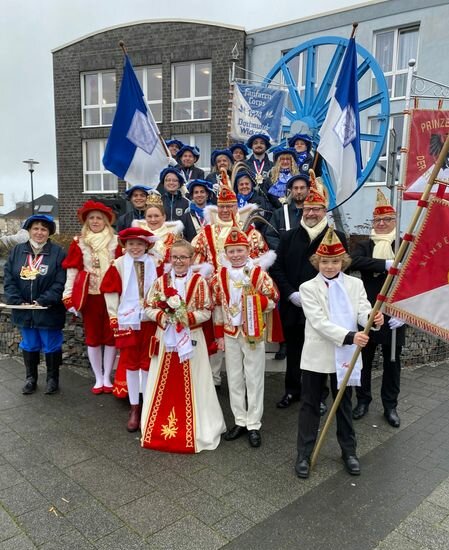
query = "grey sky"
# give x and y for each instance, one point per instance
(30, 29)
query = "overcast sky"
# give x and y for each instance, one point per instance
(30, 29)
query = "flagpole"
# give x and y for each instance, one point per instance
(161, 139)
(422, 203)
(401, 180)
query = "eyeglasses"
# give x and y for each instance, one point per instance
(225, 206)
(312, 210)
(180, 258)
(377, 221)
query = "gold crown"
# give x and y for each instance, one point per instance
(154, 199)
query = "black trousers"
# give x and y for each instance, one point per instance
(391, 376)
(313, 384)
(294, 339)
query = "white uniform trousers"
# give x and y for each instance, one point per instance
(245, 369)
(215, 364)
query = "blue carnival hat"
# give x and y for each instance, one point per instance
(131, 190)
(48, 220)
(192, 148)
(170, 170)
(284, 151)
(303, 177)
(242, 174)
(218, 152)
(169, 142)
(304, 137)
(200, 183)
(241, 146)
(265, 137)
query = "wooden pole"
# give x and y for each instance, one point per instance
(384, 291)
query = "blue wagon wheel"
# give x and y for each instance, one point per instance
(308, 100)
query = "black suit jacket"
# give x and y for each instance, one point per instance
(373, 272)
(292, 268)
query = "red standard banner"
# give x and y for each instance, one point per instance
(428, 131)
(421, 294)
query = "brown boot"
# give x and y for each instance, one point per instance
(134, 419)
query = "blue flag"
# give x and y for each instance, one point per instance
(134, 151)
(340, 132)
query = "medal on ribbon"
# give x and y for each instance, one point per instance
(31, 270)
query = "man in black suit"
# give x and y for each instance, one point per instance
(292, 268)
(373, 258)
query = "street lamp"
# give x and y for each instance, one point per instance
(31, 164)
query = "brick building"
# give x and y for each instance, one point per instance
(183, 67)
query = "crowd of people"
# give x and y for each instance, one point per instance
(205, 269)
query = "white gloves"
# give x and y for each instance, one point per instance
(172, 162)
(295, 299)
(389, 263)
(395, 323)
(74, 311)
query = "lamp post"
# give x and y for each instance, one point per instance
(31, 163)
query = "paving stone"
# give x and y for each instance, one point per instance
(8, 528)
(397, 541)
(186, 534)
(213, 483)
(70, 541)
(440, 497)
(9, 476)
(64, 449)
(107, 481)
(21, 542)
(94, 521)
(424, 534)
(232, 526)
(122, 539)
(150, 513)
(246, 503)
(24, 457)
(43, 525)
(10, 441)
(205, 507)
(21, 498)
(66, 495)
(174, 486)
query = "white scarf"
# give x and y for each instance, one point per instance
(341, 313)
(130, 311)
(313, 232)
(382, 245)
(179, 342)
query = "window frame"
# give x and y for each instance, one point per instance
(384, 158)
(100, 106)
(102, 170)
(151, 102)
(192, 98)
(395, 72)
(192, 139)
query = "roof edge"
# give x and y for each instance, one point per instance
(143, 22)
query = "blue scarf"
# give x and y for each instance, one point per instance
(243, 199)
(279, 189)
(301, 157)
(197, 210)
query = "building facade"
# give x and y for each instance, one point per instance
(183, 68)
(393, 31)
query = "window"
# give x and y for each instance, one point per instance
(98, 96)
(191, 91)
(150, 79)
(393, 49)
(203, 142)
(96, 178)
(379, 174)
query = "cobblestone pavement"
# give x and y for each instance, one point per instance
(71, 476)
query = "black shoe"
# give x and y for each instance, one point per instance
(217, 388)
(282, 353)
(29, 387)
(286, 401)
(234, 433)
(254, 438)
(52, 386)
(302, 467)
(352, 464)
(359, 411)
(323, 408)
(392, 417)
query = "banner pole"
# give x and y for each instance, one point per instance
(381, 296)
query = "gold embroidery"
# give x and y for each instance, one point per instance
(160, 386)
(170, 430)
(189, 405)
